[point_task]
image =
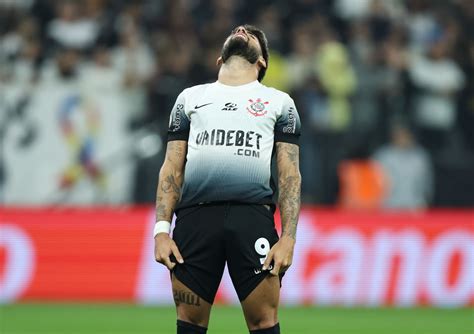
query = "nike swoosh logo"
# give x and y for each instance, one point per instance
(202, 105)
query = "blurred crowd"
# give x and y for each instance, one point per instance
(86, 87)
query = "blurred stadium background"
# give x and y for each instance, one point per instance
(385, 91)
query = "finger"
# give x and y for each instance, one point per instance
(167, 262)
(276, 268)
(284, 268)
(268, 260)
(176, 253)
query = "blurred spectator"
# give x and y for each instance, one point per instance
(133, 57)
(438, 80)
(325, 108)
(349, 9)
(408, 170)
(70, 28)
(17, 4)
(269, 21)
(301, 61)
(337, 78)
(27, 65)
(352, 67)
(367, 71)
(421, 24)
(217, 20)
(361, 9)
(466, 120)
(64, 68)
(134, 60)
(277, 74)
(13, 41)
(173, 76)
(100, 77)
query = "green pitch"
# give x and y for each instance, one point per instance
(124, 318)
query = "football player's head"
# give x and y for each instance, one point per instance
(250, 43)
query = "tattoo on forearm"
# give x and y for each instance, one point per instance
(293, 156)
(160, 207)
(169, 185)
(171, 178)
(290, 187)
(186, 297)
(167, 196)
(289, 204)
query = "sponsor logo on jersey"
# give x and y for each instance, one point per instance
(291, 125)
(176, 119)
(229, 106)
(247, 142)
(202, 105)
(257, 107)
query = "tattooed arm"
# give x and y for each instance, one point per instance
(167, 196)
(289, 183)
(171, 177)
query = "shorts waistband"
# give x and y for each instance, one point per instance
(269, 206)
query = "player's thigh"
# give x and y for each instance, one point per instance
(198, 236)
(251, 235)
(189, 306)
(261, 306)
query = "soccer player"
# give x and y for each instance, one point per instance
(217, 178)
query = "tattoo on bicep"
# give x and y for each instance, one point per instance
(186, 297)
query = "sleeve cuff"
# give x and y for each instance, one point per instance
(290, 138)
(181, 135)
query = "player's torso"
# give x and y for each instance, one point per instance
(230, 143)
(232, 124)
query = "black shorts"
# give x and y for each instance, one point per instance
(210, 235)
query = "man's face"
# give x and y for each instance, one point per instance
(241, 43)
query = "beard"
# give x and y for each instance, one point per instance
(237, 46)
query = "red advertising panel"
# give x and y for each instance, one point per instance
(77, 254)
(398, 259)
(341, 258)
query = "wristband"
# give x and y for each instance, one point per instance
(161, 227)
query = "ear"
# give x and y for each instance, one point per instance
(261, 62)
(219, 61)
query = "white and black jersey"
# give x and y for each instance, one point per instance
(231, 132)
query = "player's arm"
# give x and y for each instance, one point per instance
(170, 180)
(167, 196)
(289, 184)
(287, 132)
(171, 177)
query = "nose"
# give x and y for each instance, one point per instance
(241, 30)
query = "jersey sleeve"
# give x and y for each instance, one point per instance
(179, 123)
(288, 124)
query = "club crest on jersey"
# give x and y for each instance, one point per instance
(257, 108)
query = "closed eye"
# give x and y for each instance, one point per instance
(253, 36)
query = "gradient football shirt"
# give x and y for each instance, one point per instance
(231, 132)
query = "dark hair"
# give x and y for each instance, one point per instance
(262, 40)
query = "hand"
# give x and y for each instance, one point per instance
(164, 247)
(281, 254)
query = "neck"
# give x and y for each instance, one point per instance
(237, 71)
